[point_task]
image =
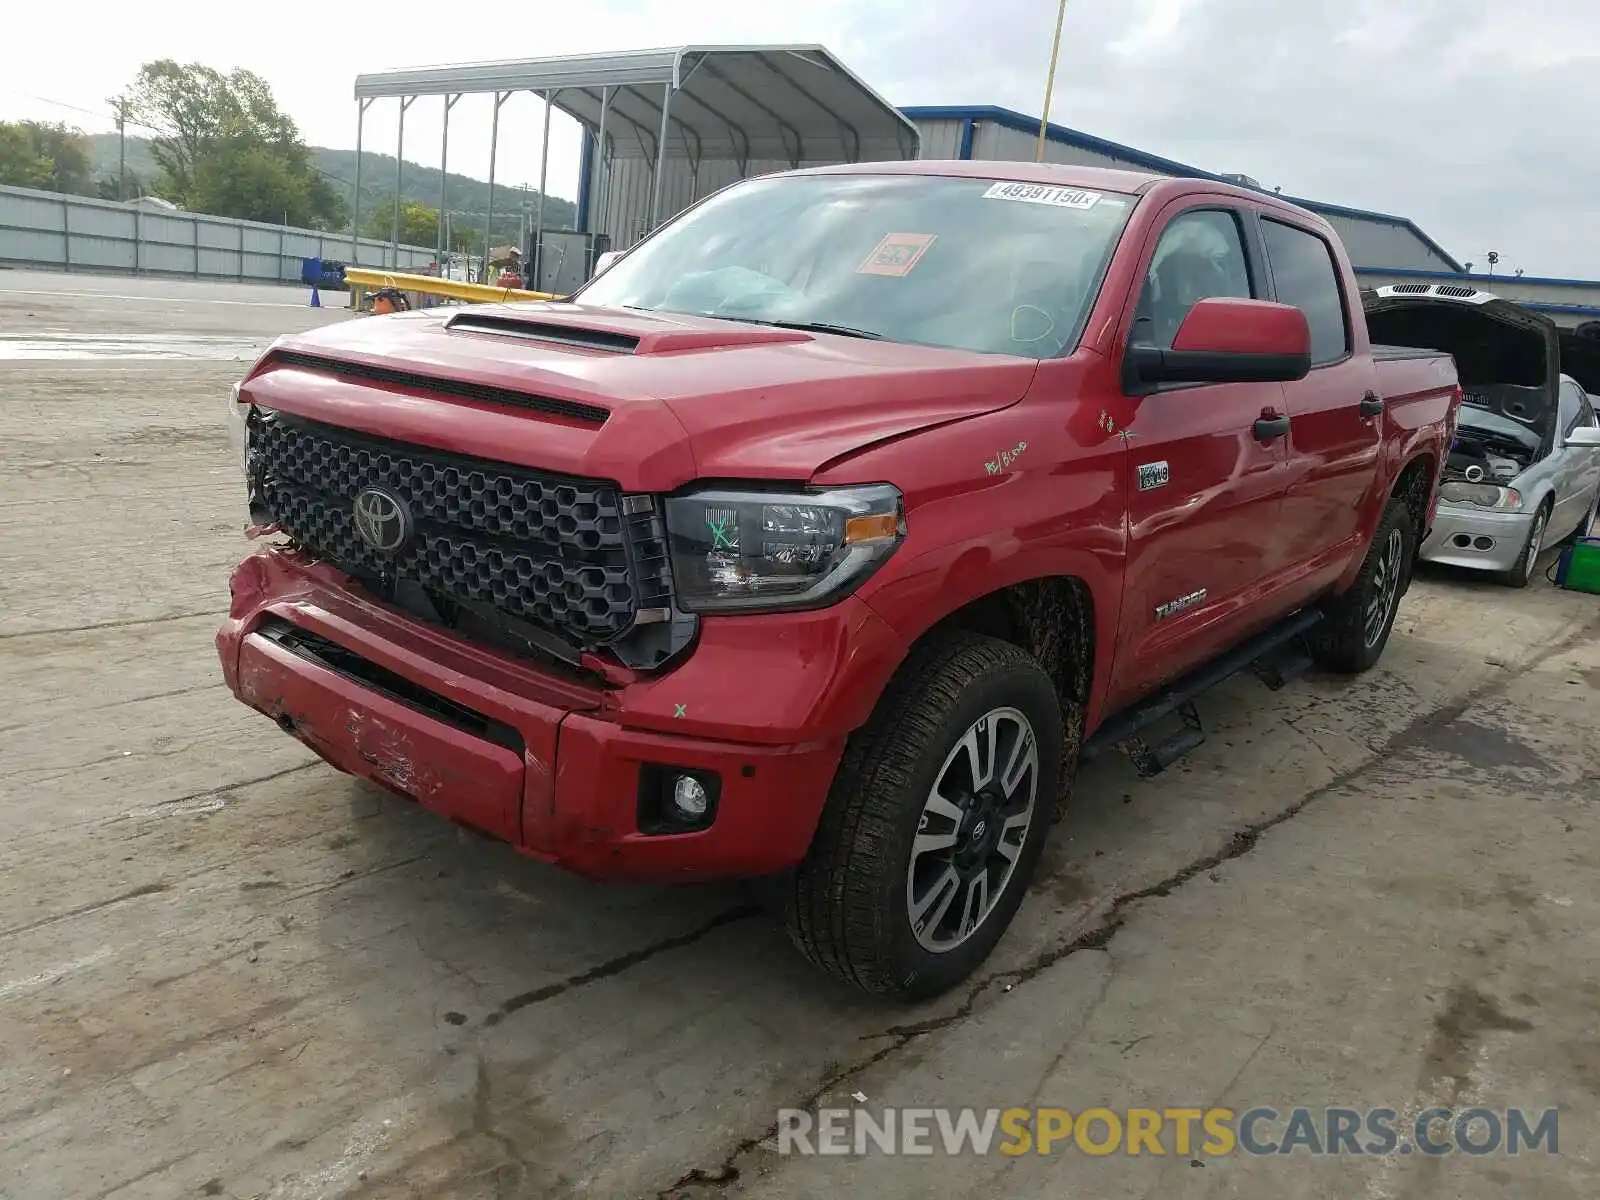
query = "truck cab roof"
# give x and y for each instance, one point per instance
(1109, 179)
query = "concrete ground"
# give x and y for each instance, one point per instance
(227, 970)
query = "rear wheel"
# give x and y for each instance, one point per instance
(1521, 575)
(934, 822)
(1357, 623)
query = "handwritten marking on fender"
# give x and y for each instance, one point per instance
(1004, 459)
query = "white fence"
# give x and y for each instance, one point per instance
(75, 233)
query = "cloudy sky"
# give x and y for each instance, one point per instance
(1476, 118)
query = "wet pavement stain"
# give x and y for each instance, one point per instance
(1070, 888)
(1485, 748)
(1584, 1058)
(1468, 1015)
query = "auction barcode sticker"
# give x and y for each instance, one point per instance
(1037, 193)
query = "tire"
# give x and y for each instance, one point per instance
(1581, 529)
(851, 907)
(1356, 624)
(1521, 575)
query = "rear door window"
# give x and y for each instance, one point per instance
(1305, 276)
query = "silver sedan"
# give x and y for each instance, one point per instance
(1525, 496)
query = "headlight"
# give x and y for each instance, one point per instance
(743, 548)
(1484, 495)
(238, 432)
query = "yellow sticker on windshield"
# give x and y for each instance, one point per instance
(896, 254)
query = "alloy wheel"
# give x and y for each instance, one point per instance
(1385, 590)
(1535, 542)
(972, 828)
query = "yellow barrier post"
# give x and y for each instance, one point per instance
(364, 279)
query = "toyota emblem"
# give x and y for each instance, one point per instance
(382, 519)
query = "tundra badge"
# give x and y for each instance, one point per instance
(1182, 604)
(1153, 475)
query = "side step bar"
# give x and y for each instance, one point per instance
(1272, 654)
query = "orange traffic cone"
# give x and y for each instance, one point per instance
(316, 300)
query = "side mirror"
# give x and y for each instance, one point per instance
(1586, 437)
(605, 260)
(1227, 340)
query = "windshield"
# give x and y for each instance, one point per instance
(971, 264)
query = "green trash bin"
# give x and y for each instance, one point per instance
(1578, 569)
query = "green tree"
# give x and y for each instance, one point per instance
(107, 186)
(21, 165)
(255, 183)
(46, 155)
(419, 224)
(223, 146)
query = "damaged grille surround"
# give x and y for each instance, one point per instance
(575, 559)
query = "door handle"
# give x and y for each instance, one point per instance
(1371, 405)
(1266, 428)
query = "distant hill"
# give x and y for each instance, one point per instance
(468, 197)
(103, 157)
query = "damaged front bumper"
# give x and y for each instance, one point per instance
(563, 767)
(1465, 535)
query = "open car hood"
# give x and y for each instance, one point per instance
(1580, 357)
(1507, 357)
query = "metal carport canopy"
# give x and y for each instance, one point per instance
(794, 103)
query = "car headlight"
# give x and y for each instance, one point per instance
(1484, 495)
(238, 427)
(748, 548)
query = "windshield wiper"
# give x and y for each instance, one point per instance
(804, 326)
(822, 327)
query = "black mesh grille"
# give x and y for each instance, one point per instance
(548, 548)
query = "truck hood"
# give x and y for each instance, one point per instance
(650, 400)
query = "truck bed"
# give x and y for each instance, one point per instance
(1391, 353)
(1414, 372)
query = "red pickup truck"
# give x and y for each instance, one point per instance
(826, 531)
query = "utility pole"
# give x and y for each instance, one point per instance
(1050, 80)
(522, 232)
(122, 147)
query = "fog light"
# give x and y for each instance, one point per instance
(674, 799)
(690, 800)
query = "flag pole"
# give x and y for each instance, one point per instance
(1050, 80)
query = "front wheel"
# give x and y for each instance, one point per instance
(1357, 623)
(1581, 530)
(1521, 574)
(934, 822)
